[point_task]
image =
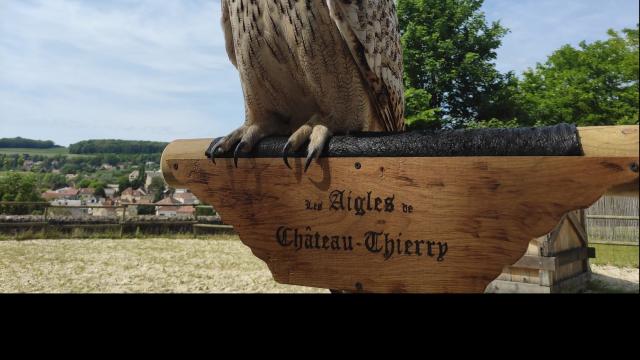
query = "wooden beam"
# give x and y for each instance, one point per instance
(578, 227)
(573, 255)
(400, 224)
(610, 141)
(597, 141)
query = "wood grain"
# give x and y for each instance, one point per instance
(485, 210)
(610, 141)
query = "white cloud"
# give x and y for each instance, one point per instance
(539, 27)
(157, 69)
(71, 70)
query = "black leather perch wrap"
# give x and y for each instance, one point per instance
(559, 140)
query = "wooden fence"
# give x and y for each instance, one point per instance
(614, 220)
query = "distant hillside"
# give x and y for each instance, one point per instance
(36, 152)
(117, 147)
(23, 143)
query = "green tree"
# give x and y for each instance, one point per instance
(123, 184)
(449, 53)
(99, 191)
(53, 181)
(418, 115)
(19, 188)
(156, 188)
(138, 182)
(594, 84)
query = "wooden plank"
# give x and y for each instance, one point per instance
(524, 275)
(509, 287)
(578, 228)
(614, 243)
(613, 141)
(546, 277)
(613, 217)
(572, 255)
(610, 141)
(536, 262)
(479, 214)
(480, 211)
(574, 284)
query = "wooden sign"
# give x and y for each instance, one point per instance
(400, 224)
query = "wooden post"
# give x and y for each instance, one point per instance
(122, 221)
(46, 221)
(401, 224)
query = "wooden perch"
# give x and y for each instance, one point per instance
(402, 223)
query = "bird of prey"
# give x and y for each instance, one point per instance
(311, 69)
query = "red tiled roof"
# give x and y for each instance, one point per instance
(51, 195)
(69, 191)
(86, 191)
(186, 210)
(168, 201)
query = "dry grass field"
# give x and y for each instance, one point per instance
(223, 265)
(219, 265)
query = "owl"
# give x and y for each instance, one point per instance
(311, 69)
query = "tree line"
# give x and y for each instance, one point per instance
(72, 165)
(451, 78)
(117, 147)
(19, 142)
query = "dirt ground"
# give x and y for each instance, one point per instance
(607, 278)
(135, 266)
(223, 265)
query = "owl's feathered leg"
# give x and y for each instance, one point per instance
(317, 134)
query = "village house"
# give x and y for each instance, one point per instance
(187, 198)
(68, 193)
(150, 176)
(84, 193)
(166, 209)
(108, 211)
(132, 196)
(71, 210)
(110, 193)
(134, 175)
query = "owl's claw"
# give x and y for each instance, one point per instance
(310, 158)
(285, 154)
(236, 153)
(213, 150)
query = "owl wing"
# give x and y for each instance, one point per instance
(228, 32)
(371, 31)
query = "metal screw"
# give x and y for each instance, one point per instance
(634, 167)
(359, 286)
(358, 166)
(175, 167)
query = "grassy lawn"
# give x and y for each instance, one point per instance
(616, 255)
(43, 152)
(53, 151)
(219, 265)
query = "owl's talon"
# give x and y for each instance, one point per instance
(213, 150)
(310, 158)
(285, 154)
(236, 153)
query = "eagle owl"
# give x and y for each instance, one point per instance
(311, 69)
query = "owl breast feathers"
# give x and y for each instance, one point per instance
(314, 68)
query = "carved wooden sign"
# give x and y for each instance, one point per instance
(395, 224)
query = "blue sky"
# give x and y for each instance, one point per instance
(72, 70)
